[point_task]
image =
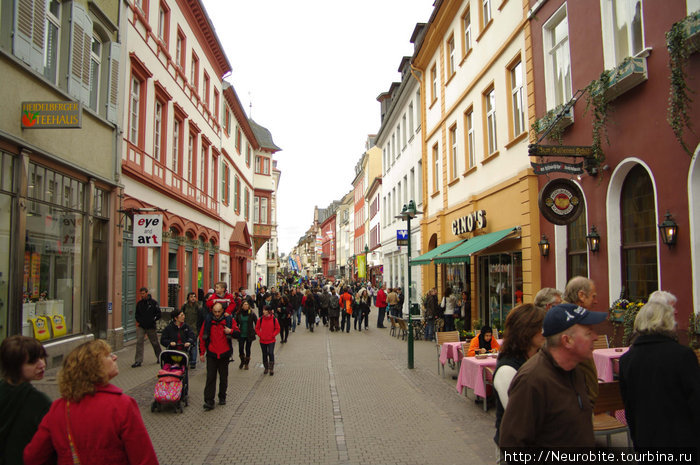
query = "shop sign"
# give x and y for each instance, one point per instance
(469, 223)
(401, 237)
(536, 150)
(52, 115)
(560, 201)
(148, 230)
(557, 167)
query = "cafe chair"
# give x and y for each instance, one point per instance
(403, 328)
(487, 374)
(440, 338)
(604, 422)
(601, 342)
(394, 326)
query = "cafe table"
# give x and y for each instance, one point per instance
(604, 359)
(471, 374)
(451, 351)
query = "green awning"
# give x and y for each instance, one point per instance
(461, 253)
(426, 257)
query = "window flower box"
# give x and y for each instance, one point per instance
(629, 74)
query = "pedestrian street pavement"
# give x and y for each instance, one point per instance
(335, 398)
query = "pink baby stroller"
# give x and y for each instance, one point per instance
(172, 385)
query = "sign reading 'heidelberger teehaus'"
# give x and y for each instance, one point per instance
(52, 115)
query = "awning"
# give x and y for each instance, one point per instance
(426, 257)
(461, 253)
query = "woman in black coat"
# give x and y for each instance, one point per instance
(246, 320)
(660, 383)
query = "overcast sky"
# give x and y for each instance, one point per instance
(313, 70)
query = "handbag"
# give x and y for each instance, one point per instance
(73, 449)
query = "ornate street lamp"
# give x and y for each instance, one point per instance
(544, 246)
(668, 230)
(408, 212)
(593, 239)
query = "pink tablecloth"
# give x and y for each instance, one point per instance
(603, 359)
(471, 374)
(450, 351)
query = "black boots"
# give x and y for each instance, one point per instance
(272, 368)
(240, 366)
(267, 368)
(245, 365)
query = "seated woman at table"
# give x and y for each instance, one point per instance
(483, 343)
(522, 339)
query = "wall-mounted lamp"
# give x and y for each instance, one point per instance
(544, 246)
(669, 230)
(593, 239)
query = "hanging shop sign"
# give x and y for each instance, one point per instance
(469, 223)
(560, 201)
(536, 150)
(557, 167)
(148, 230)
(52, 115)
(401, 237)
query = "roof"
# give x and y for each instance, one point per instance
(201, 18)
(263, 136)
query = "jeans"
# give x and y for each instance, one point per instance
(299, 315)
(380, 318)
(429, 329)
(449, 323)
(364, 317)
(152, 337)
(268, 353)
(284, 329)
(244, 347)
(345, 322)
(193, 354)
(216, 366)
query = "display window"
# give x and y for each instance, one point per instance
(500, 286)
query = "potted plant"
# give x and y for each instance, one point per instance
(630, 314)
(616, 316)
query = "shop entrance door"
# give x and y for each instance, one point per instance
(128, 286)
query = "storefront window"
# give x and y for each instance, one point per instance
(5, 225)
(501, 286)
(576, 248)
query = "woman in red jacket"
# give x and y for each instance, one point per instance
(267, 328)
(93, 421)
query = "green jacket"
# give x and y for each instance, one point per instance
(21, 409)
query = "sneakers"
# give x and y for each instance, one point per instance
(208, 406)
(135, 364)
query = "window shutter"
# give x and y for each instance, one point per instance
(113, 97)
(28, 42)
(81, 41)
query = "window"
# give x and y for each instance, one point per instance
(247, 154)
(403, 133)
(433, 83)
(393, 148)
(225, 180)
(451, 56)
(194, 72)
(405, 189)
(263, 210)
(95, 60)
(180, 46)
(246, 204)
(203, 166)
(485, 13)
(134, 110)
(398, 140)
(191, 147)
(227, 120)
(53, 32)
(454, 168)
(256, 210)
(258, 164)
(576, 248)
(206, 90)
(237, 194)
(216, 105)
(436, 168)
(490, 106)
(266, 166)
(410, 119)
(419, 184)
(557, 61)
(177, 150)
(623, 35)
(419, 112)
(164, 24)
(469, 124)
(412, 191)
(638, 218)
(517, 100)
(238, 139)
(467, 32)
(158, 130)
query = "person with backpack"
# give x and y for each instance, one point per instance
(345, 310)
(215, 343)
(363, 301)
(333, 309)
(323, 303)
(267, 328)
(310, 310)
(284, 316)
(246, 320)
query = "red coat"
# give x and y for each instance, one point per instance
(381, 299)
(267, 328)
(106, 427)
(227, 300)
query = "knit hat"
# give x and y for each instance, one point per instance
(563, 316)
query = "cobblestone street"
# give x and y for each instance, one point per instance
(335, 398)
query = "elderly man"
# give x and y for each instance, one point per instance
(547, 401)
(581, 291)
(547, 297)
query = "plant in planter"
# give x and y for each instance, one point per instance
(598, 102)
(616, 316)
(628, 322)
(554, 123)
(694, 332)
(679, 99)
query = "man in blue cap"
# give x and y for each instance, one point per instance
(548, 405)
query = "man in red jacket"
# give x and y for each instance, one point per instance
(215, 342)
(225, 298)
(381, 306)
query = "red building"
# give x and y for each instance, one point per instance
(643, 172)
(328, 262)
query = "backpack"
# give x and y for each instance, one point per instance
(207, 330)
(333, 302)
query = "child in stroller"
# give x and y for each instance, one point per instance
(173, 384)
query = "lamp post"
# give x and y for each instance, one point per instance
(409, 212)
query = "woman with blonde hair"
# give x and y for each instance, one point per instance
(93, 421)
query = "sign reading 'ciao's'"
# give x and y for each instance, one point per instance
(469, 223)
